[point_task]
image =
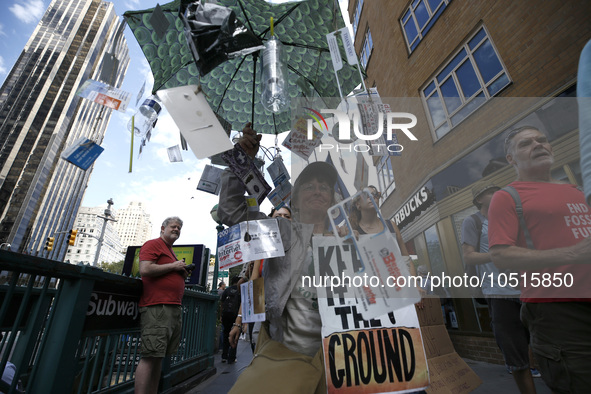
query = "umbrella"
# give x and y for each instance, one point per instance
(301, 27)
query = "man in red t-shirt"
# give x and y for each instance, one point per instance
(163, 277)
(554, 274)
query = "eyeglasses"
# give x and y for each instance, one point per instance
(311, 187)
(376, 195)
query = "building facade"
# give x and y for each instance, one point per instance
(89, 225)
(133, 225)
(41, 115)
(470, 71)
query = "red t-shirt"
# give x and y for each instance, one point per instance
(165, 289)
(556, 216)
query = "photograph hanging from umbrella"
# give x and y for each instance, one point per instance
(188, 43)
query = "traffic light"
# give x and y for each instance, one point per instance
(72, 238)
(49, 243)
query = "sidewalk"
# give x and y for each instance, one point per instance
(495, 378)
(226, 374)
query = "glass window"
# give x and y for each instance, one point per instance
(386, 176)
(366, 49)
(418, 20)
(356, 15)
(466, 82)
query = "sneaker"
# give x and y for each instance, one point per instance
(224, 360)
(535, 373)
(231, 361)
(509, 371)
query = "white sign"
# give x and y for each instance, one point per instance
(349, 339)
(249, 241)
(253, 300)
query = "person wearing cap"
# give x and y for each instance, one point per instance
(557, 218)
(291, 309)
(503, 301)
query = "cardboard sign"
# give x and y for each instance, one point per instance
(263, 242)
(379, 355)
(253, 300)
(448, 372)
(297, 141)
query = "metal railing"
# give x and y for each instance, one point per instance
(68, 328)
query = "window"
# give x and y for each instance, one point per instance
(366, 49)
(356, 15)
(419, 18)
(386, 176)
(468, 80)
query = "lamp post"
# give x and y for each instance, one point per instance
(219, 228)
(105, 218)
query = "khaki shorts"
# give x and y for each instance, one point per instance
(161, 330)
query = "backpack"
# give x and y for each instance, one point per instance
(231, 301)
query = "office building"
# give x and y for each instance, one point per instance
(90, 225)
(40, 115)
(133, 225)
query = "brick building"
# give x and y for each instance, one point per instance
(470, 71)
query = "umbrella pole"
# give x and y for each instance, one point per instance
(255, 57)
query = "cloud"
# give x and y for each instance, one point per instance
(28, 12)
(175, 196)
(2, 32)
(3, 69)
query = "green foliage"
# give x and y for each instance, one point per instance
(116, 267)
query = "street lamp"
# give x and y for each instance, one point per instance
(105, 218)
(219, 228)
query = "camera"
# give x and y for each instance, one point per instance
(190, 267)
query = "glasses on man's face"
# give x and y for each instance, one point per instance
(321, 187)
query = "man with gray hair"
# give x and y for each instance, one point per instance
(543, 230)
(163, 277)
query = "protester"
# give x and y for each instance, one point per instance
(292, 310)
(221, 288)
(230, 307)
(283, 212)
(558, 317)
(163, 278)
(503, 301)
(584, 101)
(255, 272)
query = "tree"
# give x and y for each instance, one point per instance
(116, 267)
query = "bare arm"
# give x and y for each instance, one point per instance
(472, 257)
(152, 269)
(515, 257)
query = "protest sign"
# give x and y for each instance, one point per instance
(448, 372)
(372, 110)
(248, 241)
(297, 140)
(253, 300)
(378, 355)
(104, 94)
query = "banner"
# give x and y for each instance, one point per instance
(379, 355)
(249, 241)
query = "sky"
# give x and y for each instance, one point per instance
(166, 189)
